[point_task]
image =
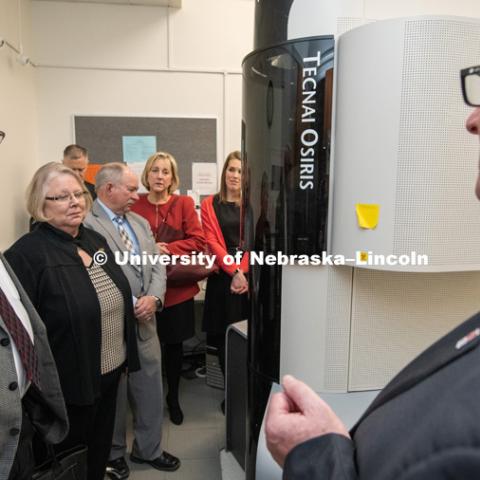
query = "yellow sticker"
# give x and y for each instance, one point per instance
(363, 256)
(367, 215)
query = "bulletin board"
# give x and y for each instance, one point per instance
(124, 139)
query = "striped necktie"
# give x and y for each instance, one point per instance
(21, 338)
(124, 234)
(127, 241)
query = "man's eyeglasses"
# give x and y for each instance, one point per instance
(66, 197)
(470, 78)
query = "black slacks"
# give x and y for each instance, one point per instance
(92, 425)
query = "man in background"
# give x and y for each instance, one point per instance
(76, 158)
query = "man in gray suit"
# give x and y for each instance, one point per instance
(127, 232)
(30, 392)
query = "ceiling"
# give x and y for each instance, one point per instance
(155, 3)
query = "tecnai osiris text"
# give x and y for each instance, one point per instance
(309, 136)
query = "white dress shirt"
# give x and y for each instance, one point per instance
(13, 297)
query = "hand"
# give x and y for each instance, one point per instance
(239, 283)
(163, 248)
(145, 308)
(297, 415)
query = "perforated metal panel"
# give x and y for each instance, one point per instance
(339, 285)
(400, 142)
(437, 164)
(396, 315)
(316, 325)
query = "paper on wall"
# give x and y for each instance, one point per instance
(137, 149)
(204, 178)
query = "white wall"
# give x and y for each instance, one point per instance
(140, 60)
(18, 100)
(314, 17)
(112, 60)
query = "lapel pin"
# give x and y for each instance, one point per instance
(467, 338)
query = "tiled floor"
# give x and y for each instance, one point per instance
(197, 442)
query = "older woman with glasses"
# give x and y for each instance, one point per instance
(86, 307)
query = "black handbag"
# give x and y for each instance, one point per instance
(68, 465)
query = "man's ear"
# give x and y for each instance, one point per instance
(109, 187)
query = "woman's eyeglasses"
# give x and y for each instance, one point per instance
(66, 197)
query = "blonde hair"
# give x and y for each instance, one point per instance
(222, 194)
(173, 167)
(38, 186)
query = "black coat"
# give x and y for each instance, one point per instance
(424, 425)
(91, 189)
(48, 266)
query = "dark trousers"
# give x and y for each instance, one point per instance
(174, 325)
(92, 425)
(173, 360)
(22, 467)
(218, 341)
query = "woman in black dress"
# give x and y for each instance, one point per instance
(226, 295)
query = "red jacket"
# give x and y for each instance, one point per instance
(181, 217)
(215, 240)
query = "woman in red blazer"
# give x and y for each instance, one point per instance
(176, 322)
(225, 298)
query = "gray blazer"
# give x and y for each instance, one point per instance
(154, 276)
(46, 408)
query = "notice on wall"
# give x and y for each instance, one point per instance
(136, 150)
(204, 178)
(137, 169)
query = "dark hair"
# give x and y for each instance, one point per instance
(235, 155)
(75, 151)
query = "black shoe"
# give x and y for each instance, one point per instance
(176, 414)
(117, 469)
(165, 462)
